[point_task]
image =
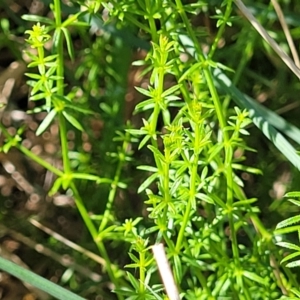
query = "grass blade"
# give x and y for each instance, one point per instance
(37, 281)
(264, 119)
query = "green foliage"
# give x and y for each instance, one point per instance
(287, 226)
(186, 157)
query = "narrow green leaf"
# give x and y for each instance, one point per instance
(69, 43)
(292, 194)
(254, 277)
(147, 168)
(288, 246)
(39, 96)
(290, 256)
(46, 122)
(204, 198)
(143, 91)
(245, 202)
(144, 141)
(56, 37)
(177, 269)
(144, 105)
(56, 186)
(133, 281)
(72, 121)
(247, 169)
(32, 75)
(170, 91)
(287, 230)
(85, 176)
(296, 292)
(289, 221)
(147, 182)
(190, 71)
(157, 153)
(35, 18)
(37, 281)
(296, 202)
(293, 264)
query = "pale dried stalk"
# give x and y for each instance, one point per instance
(69, 243)
(286, 31)
(285, 58)
(165, 271)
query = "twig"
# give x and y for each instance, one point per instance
(64, 260)
(285, 58)
(165, 271)
(69, 243)
(286, 31)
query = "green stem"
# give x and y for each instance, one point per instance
(64, 147)
(193, 180)
(64, 143)
(83, 212)
(151, 22)
(166, 185)
(221, 29)
(113, 190)
(110, 271)
(60, 86)
(92, 229)
(227, 146)
(59, 48)
(40, 161)
(142, 272)
(31, 155)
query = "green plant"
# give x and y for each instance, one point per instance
(194, 140)
(287, 226)
(48, 85)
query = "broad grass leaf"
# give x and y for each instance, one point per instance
(264, 119)
(37, 281)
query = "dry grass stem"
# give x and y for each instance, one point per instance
(165, 271)
(286, 31)
(285, 58)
